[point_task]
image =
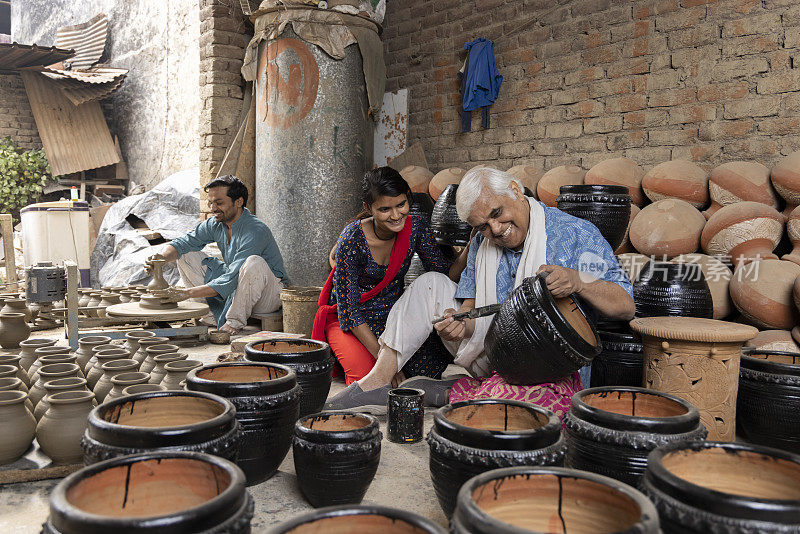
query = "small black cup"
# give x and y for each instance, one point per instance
(406, 415)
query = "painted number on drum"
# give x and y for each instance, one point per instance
(287, 82)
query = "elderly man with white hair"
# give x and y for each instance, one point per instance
(516, 237)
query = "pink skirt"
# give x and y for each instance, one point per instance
(554, 396)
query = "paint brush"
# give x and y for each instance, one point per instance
(474, 313)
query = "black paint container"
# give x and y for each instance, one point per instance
(336, 455)
(672, 289)
(364, 519)
(608, 207)
(406, 416)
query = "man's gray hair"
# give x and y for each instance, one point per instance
(472, 185)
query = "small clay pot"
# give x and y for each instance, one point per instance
(448, 228)
(361, 519)
(762, 292)
(672, 289)
(442, 179)
(13, 329)
(94, 350)
(152, 350)
(267, 401)
(85, 346)
(123, 380)
(141, 353)
(17, 306)
(15, 384)
(94, 301)
(417, 178)
(127, 295)
(51, 372)
(793, 231)
(176, 372)
(159, 372)
(57, 386)
(14, 360)
(106, 300)
(667, 228)
(611, 430)
(619, 171)
(62, 425)
(133, 337)
(28, 347)
(528, 176)
(18, 426)
(110, 369)
(156, 270)
(551, 499)
(704, 486)
(743, 232)
(83, 297)
(11, 371)
(142, 388)
(621, 362)
(786, 180)
(406, 415)
(684, 180)
(336, 456)
(45, 355)
(311, 360)
(605, 206)
(472, 437)
(549, 186)
(103, 357)
(174, 420)
(740, 181)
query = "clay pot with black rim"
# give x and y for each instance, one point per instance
(549, 185)
(336, 456)
(738, 181)
(18, 424)
(620, 363)
(14, 360)
(472, 437)
(160, 361)
(667, 228)
(15, 384)
(176, 372)
(608, 207)
(672, 289)
(619, 171)
(135, 389)
(684, 180)
(267, 401)
(51, 372)
(28, 347)
(60, 429)
(442, 179)
(165, 420)
(94, 350)
(743, 232)
(537, 338)
(551, 499)
(123, 380)
(310, 360)
(57, 386)
(13, 329)
(361, 519)
(704, 487)
(448, 228)
(110, 370)
(85, 346)
(762, 292)
(152, 350)
(611, 430)
(152, 492)
(103, 357)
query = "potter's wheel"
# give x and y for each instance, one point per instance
(184, 310)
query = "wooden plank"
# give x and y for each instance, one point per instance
(413, 155)
(30, 475)
(71, 324)
(7, 231)
(75, 138)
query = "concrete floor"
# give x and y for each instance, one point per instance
(402, 481)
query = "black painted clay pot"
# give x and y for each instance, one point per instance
(422, 205)
(611, 430)
(447, 228)
(162, 420)
(672, 289)
(707, 487)
(363, 519)
(608, 207)
(406, 415)
(152, 493)
(472, 437)
(267, 401)
(551, 499)
(768, 404)
(336, 456)
(537, 338)
(311, 360)
(415, 268)
(621, 362)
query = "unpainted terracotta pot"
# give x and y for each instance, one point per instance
(111, 369)
(15, 384)
(51, 372)
(176, 372)
(143, 343)
(18, 426)
(740, 181)
(57, 386)
(780, 340)
(123, 380)
(785, 176)
(668, 228)
(159, 372)
(28, 347)
(85, 346)
(417, 178)
(13, 329)
(359, 519)
(633, 263)
(60, 430)
(106, 300)
(762, 292)
(189, 491)
(10, 371)
(619, 171)
(796, 294)
(626, 246)
(17, 306)
(156, 270)
(442, 179)
(793, 232)
(103, 357)
(12, 359)
(684, 180)
(54, 354)
(83, 299)
(549, 185)
(152, 350)
(743, 232)
(135, 389)
(718, 276)
(527, 175)
(94, 301)
(133, 337)
(49, 359)
(93, 359)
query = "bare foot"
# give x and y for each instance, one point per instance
(229, 329)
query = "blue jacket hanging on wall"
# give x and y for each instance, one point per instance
(480, 81)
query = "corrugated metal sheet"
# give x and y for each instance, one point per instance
(88, 39)
(86, 86)
(75, 138)
(15, 56)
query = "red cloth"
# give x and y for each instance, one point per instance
(355, 359)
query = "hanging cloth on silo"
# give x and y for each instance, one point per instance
(480, 82)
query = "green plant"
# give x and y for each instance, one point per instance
(23, 175)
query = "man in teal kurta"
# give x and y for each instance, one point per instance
(251, 275)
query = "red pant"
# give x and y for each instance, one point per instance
(354, 358)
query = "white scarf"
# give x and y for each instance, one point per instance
(470, 353)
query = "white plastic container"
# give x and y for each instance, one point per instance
(57, 231)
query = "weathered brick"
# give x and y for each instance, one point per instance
(692, 113)
(672, 136)
(722, 91)
(626, 139)
(587, 108)
(752, 107)
(765, 23)
(697, 153)
(739, 68)
(725, 129)
(603, 124)
(671, 97)
(779, 125)
(700, 35)
(779, 83)
(564, 129)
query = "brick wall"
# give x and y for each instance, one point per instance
(711, 81)
(16, 118)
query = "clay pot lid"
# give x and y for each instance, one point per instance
(693, 329)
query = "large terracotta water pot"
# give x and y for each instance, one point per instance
(417, 178)
(60, 430)
(633, 263)
(705, 487)
(311, 360)
(267, 401)
(358, 519)
(551, 499)
(611, 430)
(336, 456)
(549, 186)
(527, 175)
(18, 425)
(472, 437)
(684, 180)
(619, 171)
(152, 492)
(164, 420)
(667, 228)
(538, 338)
(785, 176)
(793, 232)
(718, 277)
(762, 292)
(620, 363)
(13, 329)
(672, 289)
(743, 232)
(605, 206)
(448, 228)
(697, 360)
(781, 340)
(738, 181)
(626, 246)
(28, 347)
(442, 179)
